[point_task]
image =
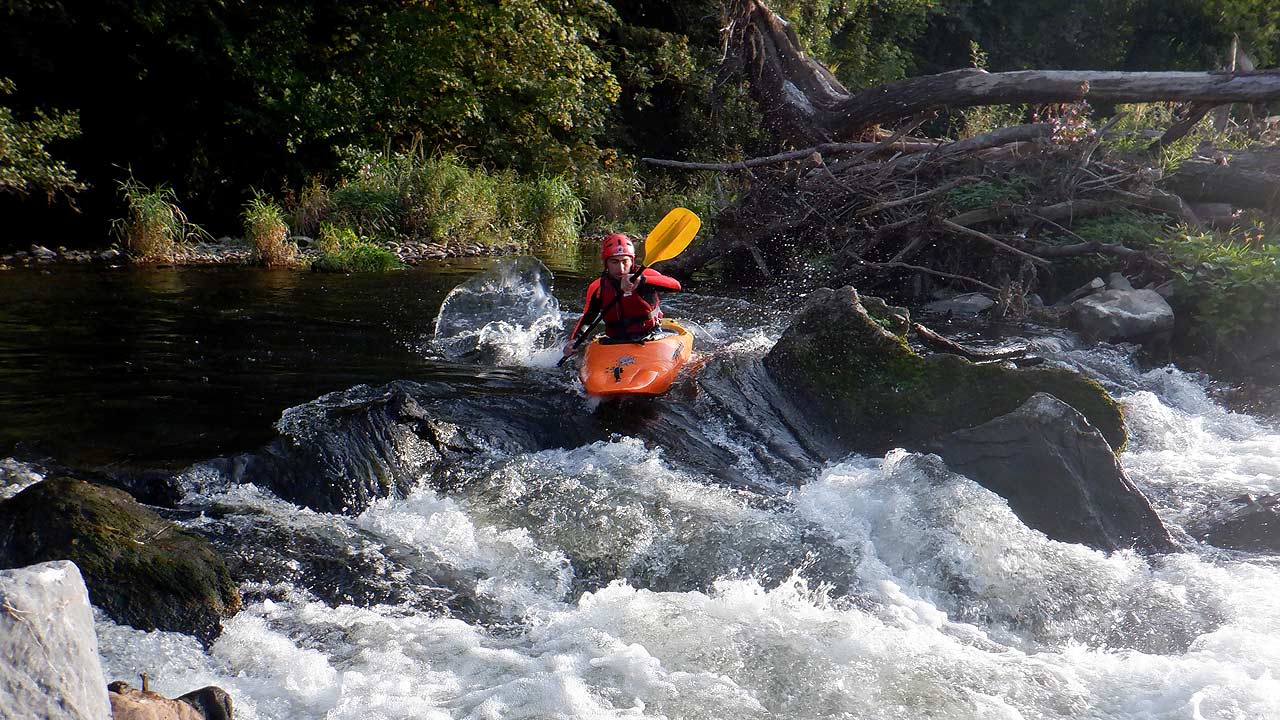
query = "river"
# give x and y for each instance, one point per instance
(683, 558)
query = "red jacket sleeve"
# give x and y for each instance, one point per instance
(656, 279)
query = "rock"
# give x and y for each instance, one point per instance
(129, 703)
(51, 668)
(968, 304)
(1059, 476)
(41, 252)
(343, 451)
(108, 255)
(1089, 288)
(1119, 315)
(1117, 281)
(869, 392)
(213, 702)
(1247, 522)
(141, 570)
(896, 319)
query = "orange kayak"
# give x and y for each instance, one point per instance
(639, 368)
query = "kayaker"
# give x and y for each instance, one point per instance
(629, 300)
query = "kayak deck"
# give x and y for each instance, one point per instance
(639, 368)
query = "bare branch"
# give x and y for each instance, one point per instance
(988, 239)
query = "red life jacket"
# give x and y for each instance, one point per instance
(628, 316)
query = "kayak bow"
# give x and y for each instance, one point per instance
(636, 368)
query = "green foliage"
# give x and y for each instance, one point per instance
(516, 82)
(26, 165)
(441, 199)
(609, 196)
(310, 206)
(153, 226)
(1127, 228)
(864, 42)
(987, 193)
(554, 210)
(265, 228)
(343, 251)
(1099, 34)
(1228, 280)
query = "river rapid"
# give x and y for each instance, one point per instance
(692, 560)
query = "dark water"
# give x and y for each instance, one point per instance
(158, 368)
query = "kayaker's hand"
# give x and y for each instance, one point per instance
(628, 283)
(569, 348)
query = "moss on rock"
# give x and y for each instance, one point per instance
(873, 392)
(141, 569)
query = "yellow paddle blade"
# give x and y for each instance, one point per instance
(671, 236)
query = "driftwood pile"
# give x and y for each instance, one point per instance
(881, 205)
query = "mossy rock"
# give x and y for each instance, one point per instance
(873, 392)
(141, 569)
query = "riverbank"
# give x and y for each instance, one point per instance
(233, 251)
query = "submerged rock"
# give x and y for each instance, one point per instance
(870, 392)
(129, 703)
(1059, 476)
(141, 569)
(51, 668)
(1247, 522)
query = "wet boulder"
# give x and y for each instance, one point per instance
(130, 703)
(1059, 476)
(1247, 522)
(51, 668)
(141, 569)
(1119, 314)
(345, 450)
(868, 391)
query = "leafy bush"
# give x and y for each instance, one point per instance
(26, 165)
(266, 230)
(1227, 281)
(154, 226)
(344, 251)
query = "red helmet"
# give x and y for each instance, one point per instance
(618, 244)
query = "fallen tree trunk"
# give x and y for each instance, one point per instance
(806, 105)
(1208, 182)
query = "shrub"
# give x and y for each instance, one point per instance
(311, 208)
(266, 230)
(344, 251)
(1228, 281)
(154, 226)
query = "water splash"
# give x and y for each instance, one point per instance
(504, 316)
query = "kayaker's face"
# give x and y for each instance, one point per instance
(618, 266)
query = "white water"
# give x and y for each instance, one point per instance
(878, 588)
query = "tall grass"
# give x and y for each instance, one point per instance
(440, 199)
(154, 226)
(343, 251)
(265, 229)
